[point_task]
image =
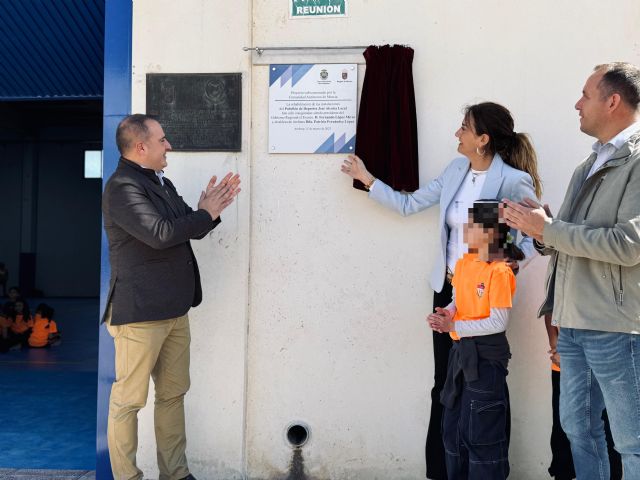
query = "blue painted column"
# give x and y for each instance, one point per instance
(117, 104)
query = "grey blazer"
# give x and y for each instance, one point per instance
(154, 274)
(503, 181)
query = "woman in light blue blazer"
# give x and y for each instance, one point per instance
(498, 163)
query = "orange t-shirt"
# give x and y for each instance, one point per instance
(42, 327)
(481, 286)
(20, 326)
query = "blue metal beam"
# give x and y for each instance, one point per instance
(117, 104)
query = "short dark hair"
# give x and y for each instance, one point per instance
(45, 310)
(622, 78)
(132, 128)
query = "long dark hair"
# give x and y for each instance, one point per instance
(515, 149)
(26, 313)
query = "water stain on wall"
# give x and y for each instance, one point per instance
(296, 469)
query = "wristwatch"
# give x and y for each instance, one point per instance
(367, 186)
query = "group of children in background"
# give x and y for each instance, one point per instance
(476, 420)
(19, 329)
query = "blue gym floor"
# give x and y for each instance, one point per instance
(48, 396)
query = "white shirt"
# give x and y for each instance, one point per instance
(496, 322)
(159, 174)
(458, 214)
(606, 151)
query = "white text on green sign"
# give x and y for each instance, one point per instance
(318, 8)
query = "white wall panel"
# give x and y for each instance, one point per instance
(207, 36)
(331, 287)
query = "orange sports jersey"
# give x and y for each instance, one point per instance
(42, 327)
(481, 286)
(20, 326)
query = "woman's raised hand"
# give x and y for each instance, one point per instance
(354, 167)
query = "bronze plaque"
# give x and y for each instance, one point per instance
(198, 111)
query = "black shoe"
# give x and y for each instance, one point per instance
(189, 477)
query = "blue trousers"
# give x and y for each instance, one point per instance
(475, 432)
(600, 369)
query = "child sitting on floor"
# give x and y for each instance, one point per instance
(5, 325)
(44, 332)
(13, 295)
(475, 430)
(20, 328)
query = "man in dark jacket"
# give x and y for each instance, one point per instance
(154, 282)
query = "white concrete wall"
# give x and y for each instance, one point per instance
(203, 36)
(331, 287)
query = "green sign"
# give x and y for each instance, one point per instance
(318, 8)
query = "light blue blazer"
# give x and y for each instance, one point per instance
(503, 181)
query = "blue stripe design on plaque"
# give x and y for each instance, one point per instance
(348, 147)
(276, 71)
(327, 146)
(300, 71)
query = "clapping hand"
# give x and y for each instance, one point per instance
(441, 321)
(527, 216)
(215, 198)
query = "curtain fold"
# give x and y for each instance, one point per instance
(387, 132)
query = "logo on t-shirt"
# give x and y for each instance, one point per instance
(480, 289)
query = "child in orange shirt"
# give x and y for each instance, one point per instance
(20, 328)
(475, 426)
(45, 331)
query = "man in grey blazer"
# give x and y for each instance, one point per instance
(154, 282)
(593, 278)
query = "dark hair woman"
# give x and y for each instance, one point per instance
(497, 162)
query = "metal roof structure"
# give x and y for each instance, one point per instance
(51, 49)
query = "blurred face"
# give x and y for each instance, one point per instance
(19, 307)
(592, 108)
(468, 141)
(13, 294)
(154, 149)
(476, 236)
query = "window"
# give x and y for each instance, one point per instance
(93, 164)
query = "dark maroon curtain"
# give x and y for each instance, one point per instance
(387, 133)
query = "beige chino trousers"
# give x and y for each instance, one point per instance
(158, 349)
